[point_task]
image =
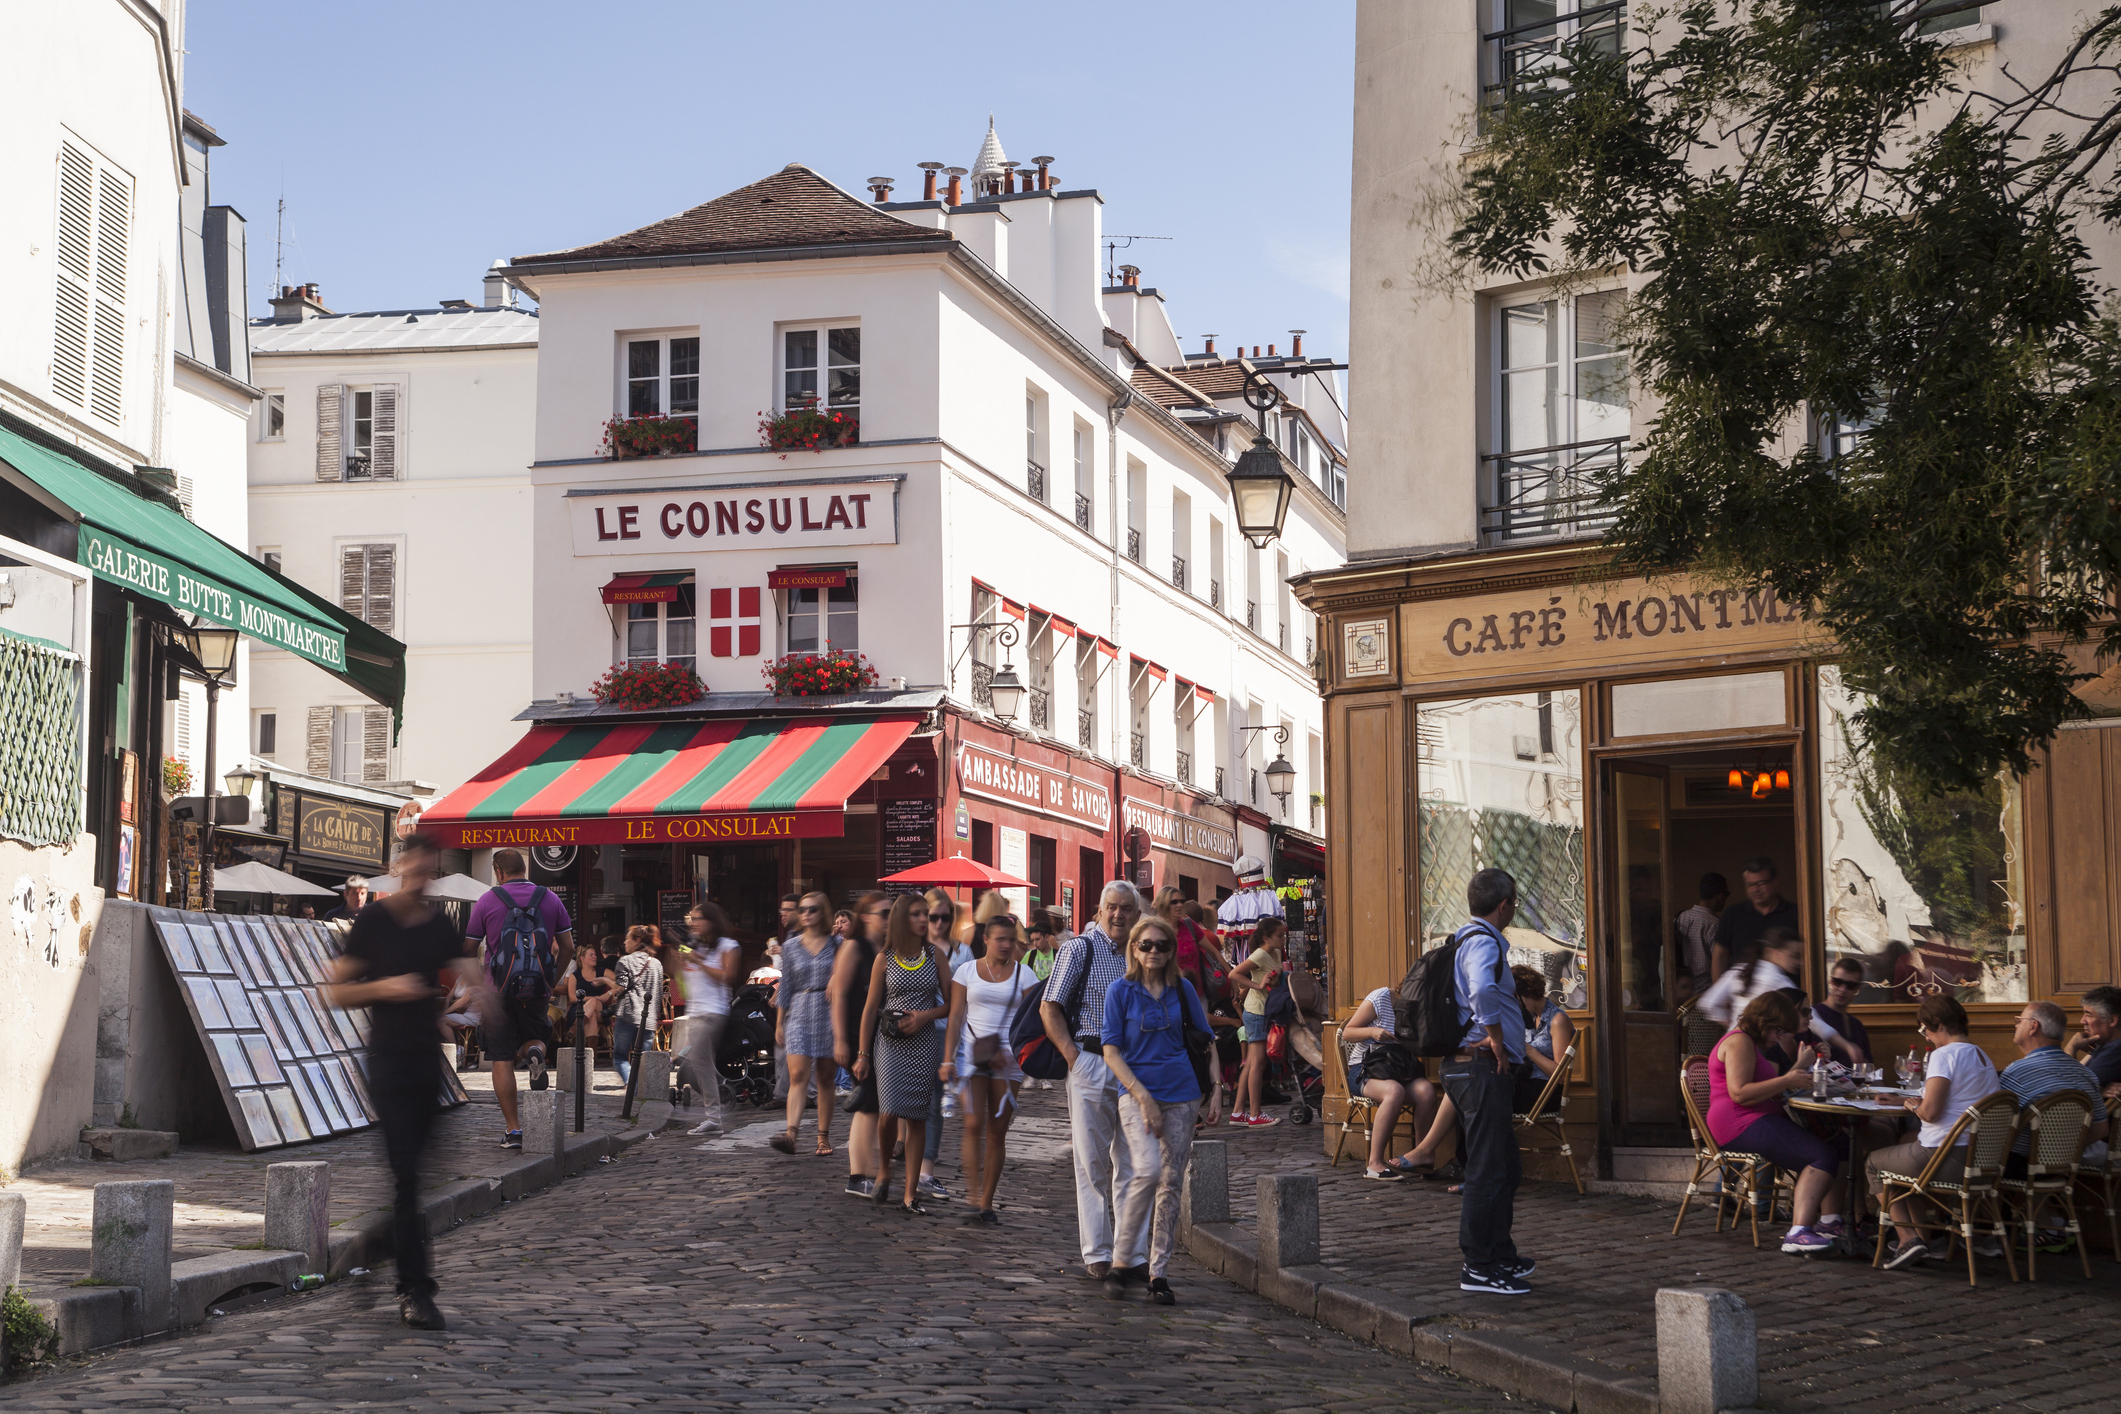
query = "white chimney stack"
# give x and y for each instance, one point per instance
(499, 293)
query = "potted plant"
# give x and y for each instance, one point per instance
(808, 429)
(636, 686)
(176, 777)
(819, 674)
(650, 436)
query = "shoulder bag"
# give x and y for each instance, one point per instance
(989, 1052)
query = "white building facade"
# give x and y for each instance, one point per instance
(389, 472)
(1009, 475)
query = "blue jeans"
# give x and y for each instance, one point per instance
(623, 1035)
(1487, 1143)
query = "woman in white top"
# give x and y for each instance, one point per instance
(1382, 1069)
(1777, 968)
(1959, 1076)
(986, 993)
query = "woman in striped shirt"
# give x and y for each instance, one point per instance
(1383, 1070)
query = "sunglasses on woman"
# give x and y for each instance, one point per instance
(1155, 945)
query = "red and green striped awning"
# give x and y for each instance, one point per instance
(668, 782)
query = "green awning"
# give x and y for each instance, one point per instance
(131, 537)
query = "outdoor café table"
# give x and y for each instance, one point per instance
(1852, 1110)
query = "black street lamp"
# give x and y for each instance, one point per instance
(1260, 485)
(213, 661)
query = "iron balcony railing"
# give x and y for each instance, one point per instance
(1281, 635)
(1219, 784)
(1178, 571)
(1134, 545)
(1085, 727)
(1185, 768)
(1041, 709)
(1137, 747)
(1035, 480)
(1252, 615)
(1215, 594)
(1082, 511)
(1527, 59)
(983, 684)
(1547, 493)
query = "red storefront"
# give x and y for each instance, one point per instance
(1172, 835)
(1035, 810)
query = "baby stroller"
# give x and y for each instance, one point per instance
(745, 1053)
(1296, 1009)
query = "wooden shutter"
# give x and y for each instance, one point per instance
(330, 467)
(114, 215)
(353, 579)
(76, 251)
(318, 760)
(382, 588)
(383, 456)
(375, 743)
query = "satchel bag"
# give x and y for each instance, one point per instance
(1388, 1060)
(988, 1051)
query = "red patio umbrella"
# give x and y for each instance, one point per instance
(958, 871)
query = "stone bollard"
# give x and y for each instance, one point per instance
(14, 1216)
(130, 1244)
(1707, 1355)
(1206, 1196)
(654, 1082)
(563, 1074)
(1288, 1221)
(546, 1115)
(298, 1211)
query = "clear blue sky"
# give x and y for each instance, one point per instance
(415, 142)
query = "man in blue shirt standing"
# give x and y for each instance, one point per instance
(1481, 1080)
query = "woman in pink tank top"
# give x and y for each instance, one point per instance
(1745, 1114)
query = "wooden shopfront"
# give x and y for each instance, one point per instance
(1612, 742)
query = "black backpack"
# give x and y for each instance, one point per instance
(1426, 1009)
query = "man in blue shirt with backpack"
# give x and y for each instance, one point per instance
(527, 939)
(1481, 1079)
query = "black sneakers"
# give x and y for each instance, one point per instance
(1160, 1292)
(1521, 1268)
(1493, 1281)
(538, 1078)
(420, 1312)
(1097, 1271)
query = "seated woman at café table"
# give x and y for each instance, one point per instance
(1548, 1032)
(1959, 1075)
(1383, 1070)
(1746, 1090)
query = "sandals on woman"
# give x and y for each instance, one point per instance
(824, 1147)
(784, 1143)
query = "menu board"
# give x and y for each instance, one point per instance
(908, 839)
(671, 906)
(290, 1068)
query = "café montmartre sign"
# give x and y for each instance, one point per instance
(1604, 625)
(795, 515)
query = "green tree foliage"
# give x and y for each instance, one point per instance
(1828, 227)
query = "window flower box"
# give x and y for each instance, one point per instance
(650, 436)
(819, 674)
(637, 686)
(808, 429)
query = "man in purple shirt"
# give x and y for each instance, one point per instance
(522, 1030)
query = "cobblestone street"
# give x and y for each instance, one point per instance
(728, 1276)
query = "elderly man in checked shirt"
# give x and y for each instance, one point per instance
(1074, 1015)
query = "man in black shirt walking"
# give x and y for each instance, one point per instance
(396, 956)
(1744, 923)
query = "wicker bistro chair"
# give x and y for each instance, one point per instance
(1988, 1126)
(2058, 1125)
(2101, 1179)
(1555, 1096)
(1739, 1176)
(1361, 1108)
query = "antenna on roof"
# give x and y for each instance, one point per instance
(1113, 243)
(279, 221)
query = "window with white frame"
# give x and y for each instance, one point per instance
(1838, 435)
(666, 632)
(1035, 444)
(1561, 399)
(1524, 50)
(1084, 475)
(360, 431)
(1086, 675)
(265, 733)
(270, 557)
(662, 374)
(91, 243)
(368, 584)
(272, 416)
(825, 619)
(360, 744)
(821, 367)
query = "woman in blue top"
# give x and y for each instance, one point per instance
(1146, 1013)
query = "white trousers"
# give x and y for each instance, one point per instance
(1148, 1200)
(1103, 1163)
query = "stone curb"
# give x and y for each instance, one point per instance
(1516, 1365)
(98, 1317)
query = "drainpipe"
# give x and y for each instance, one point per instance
(1114, 411)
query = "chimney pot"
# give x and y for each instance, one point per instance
(1130, 276)
(957, 185)
(1296, 343)
(880, 188)
(1270, 351)
(1255, 351)
(1210, 351)
(1009, 178)
(928, 171)
(1045, 180)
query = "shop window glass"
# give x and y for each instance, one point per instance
(1501, 786)
(1725, 702)
(1926, 891)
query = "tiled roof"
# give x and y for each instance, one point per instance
(793, 207)
(397, 329)
(1176, 387)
